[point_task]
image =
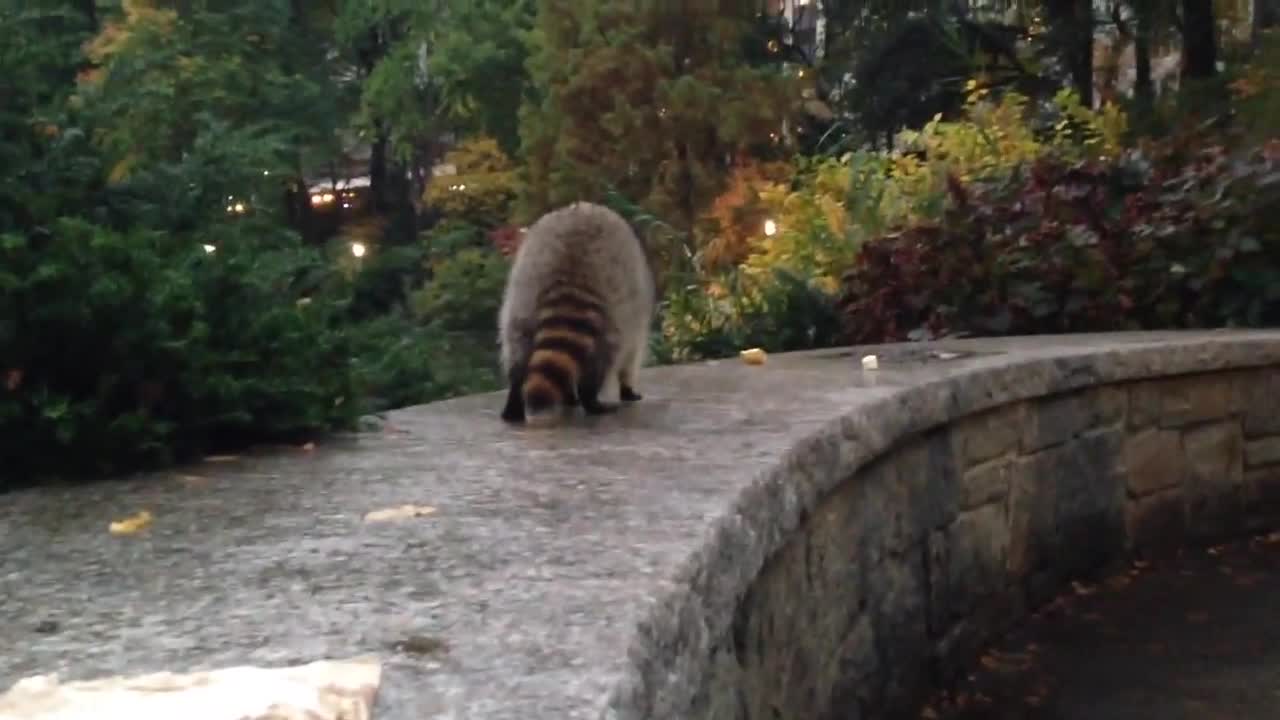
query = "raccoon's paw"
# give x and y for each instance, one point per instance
(513, 411)
(629, 394)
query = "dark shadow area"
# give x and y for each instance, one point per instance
(1191, 637)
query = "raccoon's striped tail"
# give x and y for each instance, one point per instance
(568, 358)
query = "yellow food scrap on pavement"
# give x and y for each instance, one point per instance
(754, 356)
(130, 525)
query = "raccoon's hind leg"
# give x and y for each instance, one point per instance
(513, 412)
(589, 385)
(589, 395)
(628, 369)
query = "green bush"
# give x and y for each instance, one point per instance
(124, 343)
(400, 361)
(464, 292)
(126, 350)
(1162, 238)
(779, 312)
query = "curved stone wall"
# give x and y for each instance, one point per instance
(888, 547)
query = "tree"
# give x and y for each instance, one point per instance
(387, 42)
(1199, 40)
(650, 97)
(1071, 30)
(478, 61)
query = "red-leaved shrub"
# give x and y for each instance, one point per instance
(1159, 239)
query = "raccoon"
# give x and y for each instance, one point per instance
(576, 313)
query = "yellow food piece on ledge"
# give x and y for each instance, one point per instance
(754, 356)
(130, 525)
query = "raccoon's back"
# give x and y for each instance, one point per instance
(584, 248)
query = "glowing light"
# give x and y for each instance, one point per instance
(770, 228)
(358, 249)
(316, 200)
(327, 197)
(209, 249)
(239, 207)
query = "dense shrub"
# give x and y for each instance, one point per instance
(127, 349)
(400, 361)
(145, 316)
(484, 189)
(1160, 238)
(465, 291)
(781, 312)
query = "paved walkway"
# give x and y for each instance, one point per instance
(1192, 638)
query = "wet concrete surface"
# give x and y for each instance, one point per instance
(1194, 636)
(538, 586)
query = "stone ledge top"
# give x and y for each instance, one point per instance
(560, 564)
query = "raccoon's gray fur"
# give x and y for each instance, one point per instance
(576, 312)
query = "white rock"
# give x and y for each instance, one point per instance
(870, 362)
(323, 690)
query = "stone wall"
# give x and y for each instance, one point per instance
(901, 573)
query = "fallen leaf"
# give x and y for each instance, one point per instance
(753, 356)
(399, 513)
(1082, 589)
(130, 525)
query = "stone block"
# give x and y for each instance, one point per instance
(967, 562)
(898, 606)
(1053, 421)
(1068, 495)
(1215, 477)
(985, 484)
(1155, 520)
(1263, 451)
(857, 667)
(918, 493)
(985, 436)
(1183, 401)
(1153, 461)
(1262, 487)
(1262, 403)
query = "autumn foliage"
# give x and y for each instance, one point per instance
(1163, 238)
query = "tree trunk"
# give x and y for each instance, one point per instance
(1267, 14)
(1143, 88)
(378, 190)
(1199, 41)
(89, 8)
(1072, 27)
